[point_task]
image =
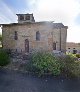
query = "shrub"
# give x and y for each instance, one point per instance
(69, 66)
(78, 55)
(42, 63)
(76, 69)
(4, 58)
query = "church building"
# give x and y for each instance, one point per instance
(29, 36)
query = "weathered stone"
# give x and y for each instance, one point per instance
(49, 33)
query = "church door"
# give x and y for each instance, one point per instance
(54, 46)
(27, 45)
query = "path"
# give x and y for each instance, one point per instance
(12, 81)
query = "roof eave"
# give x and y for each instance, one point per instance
(66, 27)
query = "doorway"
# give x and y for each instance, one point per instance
(26, 45)
(74, 51)
(54, 46)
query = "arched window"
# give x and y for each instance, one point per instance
(37, 36)
(15, 35)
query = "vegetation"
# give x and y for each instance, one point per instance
(43, 63)
(70, 66)
(78, 55)
(0, 37)
(4, 58)
(76, 69)
(0, 40)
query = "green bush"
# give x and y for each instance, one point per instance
(43, 63)
(69, 66)
(76, 69)
(4, 58)
(78, 55)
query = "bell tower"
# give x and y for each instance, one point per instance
(24, 18)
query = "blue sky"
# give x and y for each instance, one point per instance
(65, 11)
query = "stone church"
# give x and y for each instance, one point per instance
(30, 36)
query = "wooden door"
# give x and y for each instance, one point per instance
(54, 46)
(27, 45)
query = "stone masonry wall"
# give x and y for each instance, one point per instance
(48, 35)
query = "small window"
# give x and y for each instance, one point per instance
(73, 48)
(68, 48)
(27, 18)
(15, 35)
(37, 36)
(21, 17)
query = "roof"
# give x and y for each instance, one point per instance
(58, 25)
(55, 25)
(25, 14)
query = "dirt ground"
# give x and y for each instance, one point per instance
(14, 81)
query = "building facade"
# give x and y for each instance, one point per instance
(72, 47)
(30, 36)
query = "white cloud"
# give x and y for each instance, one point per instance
(58, 10)
(64, 11)
(73, 34)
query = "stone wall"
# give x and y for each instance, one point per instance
(71, 46)
(48, 35)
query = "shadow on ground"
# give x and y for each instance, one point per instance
(13, 81)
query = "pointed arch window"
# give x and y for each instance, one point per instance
(37, 36)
